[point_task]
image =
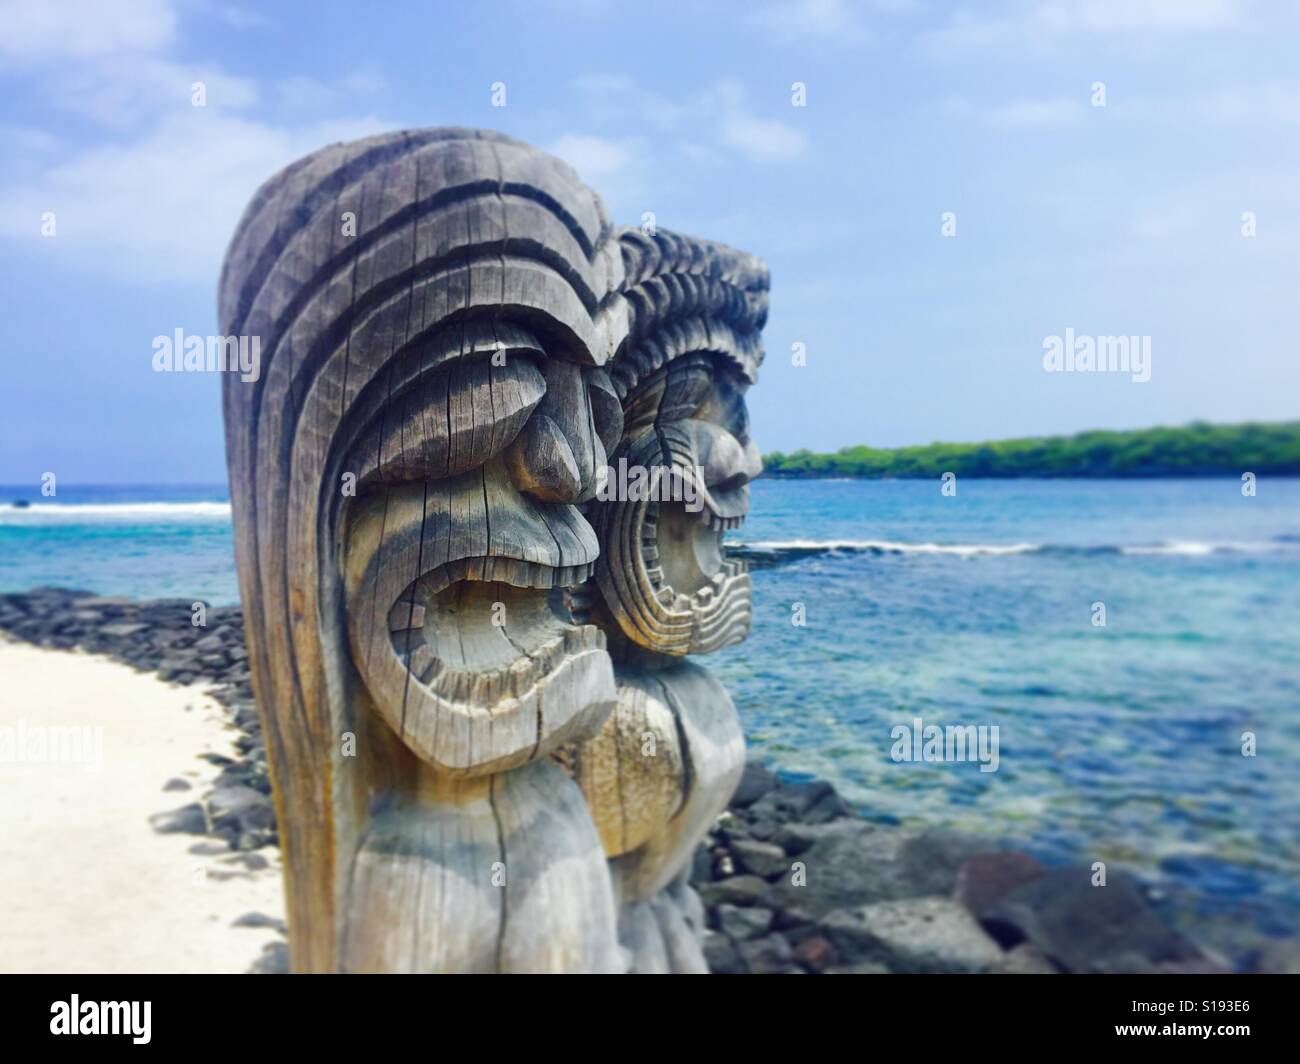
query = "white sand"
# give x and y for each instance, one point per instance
(86, 885)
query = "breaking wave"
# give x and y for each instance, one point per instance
(38, 513)
(773, 551)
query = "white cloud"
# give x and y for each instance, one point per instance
(24, 143)
(105, 59)
(594, 158)
(1274, 101)
(240, 18)
(840, 21)
(1268, 103)
(1055, 112)
(1205, 212)
(763, 139)
(810, 18)
(758, 138)
(307, 94)
(48, 29)
(719, 116)
(619, 168)
(168, 202)
(1123, 16)
(617, 98)
(1044, 113)
(160, 194)
(698, 153)
(1037, 23)
(123, 91)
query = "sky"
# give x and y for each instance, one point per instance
(952, 186)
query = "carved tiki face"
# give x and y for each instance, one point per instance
(463, 540)
(693, 350)
(405, 478)
(668, 758)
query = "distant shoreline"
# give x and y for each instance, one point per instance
(1196, 451)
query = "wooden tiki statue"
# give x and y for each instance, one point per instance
(454, 342)
(667, 760)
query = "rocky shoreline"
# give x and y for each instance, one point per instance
(792, 879)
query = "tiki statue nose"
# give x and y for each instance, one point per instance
(557, 455)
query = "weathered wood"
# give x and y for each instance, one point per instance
(501, 873)
(670, 755)
(401, 356)
(454, 342)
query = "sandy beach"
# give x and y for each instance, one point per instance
(87, 746)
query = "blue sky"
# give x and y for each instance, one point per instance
(1122, 219)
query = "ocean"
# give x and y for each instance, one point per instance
(1120, 743)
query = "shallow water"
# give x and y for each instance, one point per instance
(1119, 743)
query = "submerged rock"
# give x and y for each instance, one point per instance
(1086, 928)
(986, 878)
(1279, 957)
(913, 935)
(852, 863)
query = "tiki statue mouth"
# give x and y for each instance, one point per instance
(663, 571)
(685, 557)
(478, 643)
(474, 657)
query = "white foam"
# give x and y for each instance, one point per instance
(1183, 548)
(1190, 549)
(1194, 549)
(888, 546)
(48, 512)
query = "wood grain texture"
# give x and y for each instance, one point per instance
(455, 341)
(401, 356)
(501, 874)
(663, 586)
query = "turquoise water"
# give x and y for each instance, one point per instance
(1118, 743)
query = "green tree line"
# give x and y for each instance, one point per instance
(1196, 450)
